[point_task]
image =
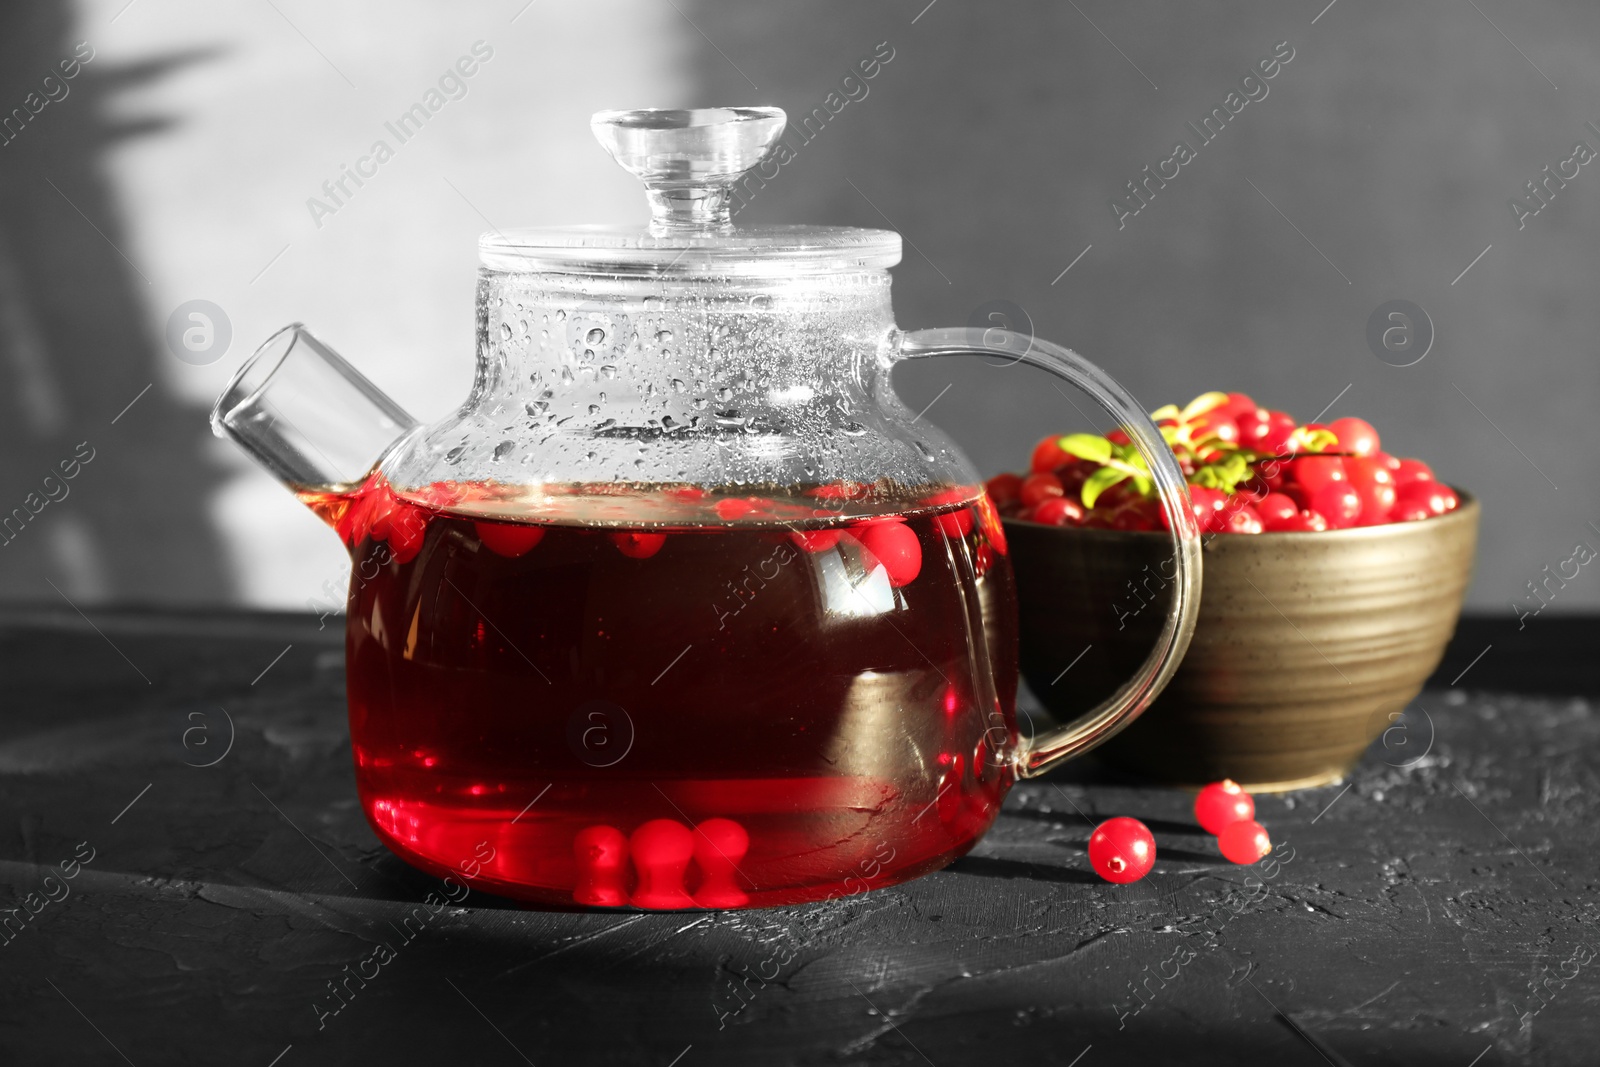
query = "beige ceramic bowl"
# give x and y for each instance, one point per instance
(1307, 647)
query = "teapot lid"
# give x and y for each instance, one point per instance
(696, 165)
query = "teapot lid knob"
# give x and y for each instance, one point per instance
(689, 159)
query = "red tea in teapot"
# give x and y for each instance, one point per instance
(713, 707)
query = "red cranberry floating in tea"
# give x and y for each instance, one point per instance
(817, 540)
(509, 539)
(1221, 804)
(1122, 850)
(408, 527)
(637, 544)
(742, 507)
(719, 845)
(956, 523)
(601, 855)
(661, 851)
(1244, 842)
(895, 546)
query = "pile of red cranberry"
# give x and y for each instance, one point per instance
(1250, 470)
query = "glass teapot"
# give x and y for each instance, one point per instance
(682, 607)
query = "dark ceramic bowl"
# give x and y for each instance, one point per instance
(1307, 647)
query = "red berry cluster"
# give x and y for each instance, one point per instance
(1250, 470)
(1123, 850)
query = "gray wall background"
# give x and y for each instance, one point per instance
(1388, 149)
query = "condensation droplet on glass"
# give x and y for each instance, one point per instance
(595, 336)
(588, 353)
(594, 409)
(561, 314)
(924, 449)
(677, 385)
(724, 393)
(566, 375)
(668, 422)
(608, 371)
(664, 337)
(853, 429)
(505, 332)
(503, 449)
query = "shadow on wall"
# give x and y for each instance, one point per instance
(1375, 164)
(103, 500)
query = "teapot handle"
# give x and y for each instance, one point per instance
(1044, 751)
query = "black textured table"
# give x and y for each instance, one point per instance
(1439, 908)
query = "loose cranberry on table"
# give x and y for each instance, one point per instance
(1122, 850)
(1244, 842)
(1221, 804)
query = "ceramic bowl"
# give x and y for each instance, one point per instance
(1308, 645)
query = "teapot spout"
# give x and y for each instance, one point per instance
(305, 414)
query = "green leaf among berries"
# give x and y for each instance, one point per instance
(1086, 446)
(1308, 440)
(1099, 482)
(1226, 473)
(1202, 404)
